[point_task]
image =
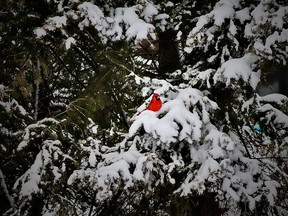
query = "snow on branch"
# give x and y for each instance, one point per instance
(245, 30)
(30, 182)
(239, 68)
(29, 131)
(218, 161)
(111, 170)
(275, 115)
(122, 22)
(179, 115)
(13, 105)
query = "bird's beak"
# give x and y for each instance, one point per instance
(157, 98)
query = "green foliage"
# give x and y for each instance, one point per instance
(65, 110)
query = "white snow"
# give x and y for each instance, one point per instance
(215, 160)
(276, 98)
(202, 21)
(93, 13)
(260, 13)
(275, 114)
(176, 115)
(113, 25)
(69, 42)
(272, 186)
(13, 105)
(135, 20)
(138, 172)
(92, 159)
(238, 68)
(40, 32)
(135, 26)
(169, 4)
(278, 16)
(232, 28)
(243, 15)
(149, 11)
(224, 9)
(57, 22)
(26, 135)
(31, 180)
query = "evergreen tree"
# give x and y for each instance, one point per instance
(74, 73)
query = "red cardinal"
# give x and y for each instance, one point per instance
(155, 103)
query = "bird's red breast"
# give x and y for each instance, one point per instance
(155, 103)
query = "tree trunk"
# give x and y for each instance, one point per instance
(168, 56)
